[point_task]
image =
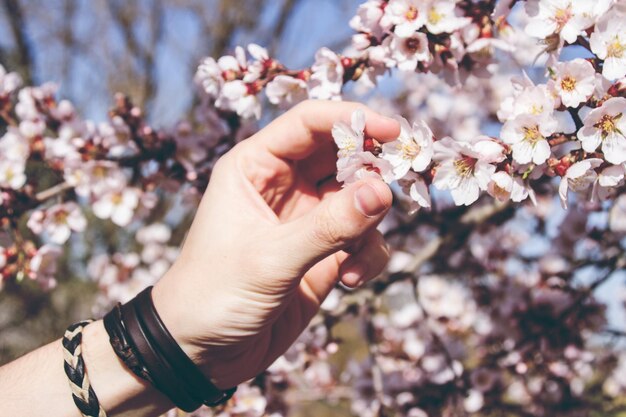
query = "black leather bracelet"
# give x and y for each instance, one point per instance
(194, 381)
(117, 337)
(164, 377)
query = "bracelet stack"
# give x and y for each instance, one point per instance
(141, 340)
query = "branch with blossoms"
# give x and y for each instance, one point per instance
(570, 126)
(53, 165)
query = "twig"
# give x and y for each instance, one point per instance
(52, 191)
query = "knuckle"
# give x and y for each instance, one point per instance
(327, 230)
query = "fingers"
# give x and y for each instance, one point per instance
(299, 132)
(336, 223)
(366, 262)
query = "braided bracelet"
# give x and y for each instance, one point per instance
(83, 394)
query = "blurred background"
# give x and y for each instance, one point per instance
(149, 50)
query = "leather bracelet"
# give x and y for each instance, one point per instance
(117, 337)
(164, 377)
(195, 382)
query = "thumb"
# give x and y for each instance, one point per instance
(336, 223)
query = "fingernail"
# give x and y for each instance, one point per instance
(355, 275)
(368, 201)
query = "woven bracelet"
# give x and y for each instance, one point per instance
(83, 394)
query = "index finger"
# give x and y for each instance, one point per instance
(297, 133)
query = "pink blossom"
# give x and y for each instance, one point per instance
(327, 78)
(408, 51)
(43, 266)
(363, 165)
(58, 221)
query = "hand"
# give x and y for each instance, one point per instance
(273, 233)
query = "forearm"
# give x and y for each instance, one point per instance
(36, 384)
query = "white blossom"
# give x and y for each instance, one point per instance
(579, 177)
(327, 77)
(349, 139)
(408, 51)
(58, 221)
(441, 17)
(465, 168)
(362, 165)
(606, 126)
(237, 96)
(568, 18)
(367, 18)
(608, 42)
(504, 187)
(9, 82)
(407, 16)
(286, 91)
(575, 81)
(415, 187)
(527, 136)
(119, 206)
(412, 150)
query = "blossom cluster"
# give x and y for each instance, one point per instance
(58, 170)
(454, 38)
(535, 142)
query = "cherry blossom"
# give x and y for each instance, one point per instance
(579, 177)
(327, 76)
(349, 139)
(563, 17)
(407, 16)
(504, 187)
(368, 17)
(415, 187)
(465, 168)
(9, 82)
(43, 265)
(412, 150)
(119, 206)
(528, 136)
(608, 42)
(606, 126)
(442, 17)
(528, 98)
(575, 82)
(58, 222)
(12, 173)
(362, 165)
(408, 51)
(286, 91)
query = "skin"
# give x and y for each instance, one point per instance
(272, 236)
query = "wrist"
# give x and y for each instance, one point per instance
(201, 336)
(118, 389)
